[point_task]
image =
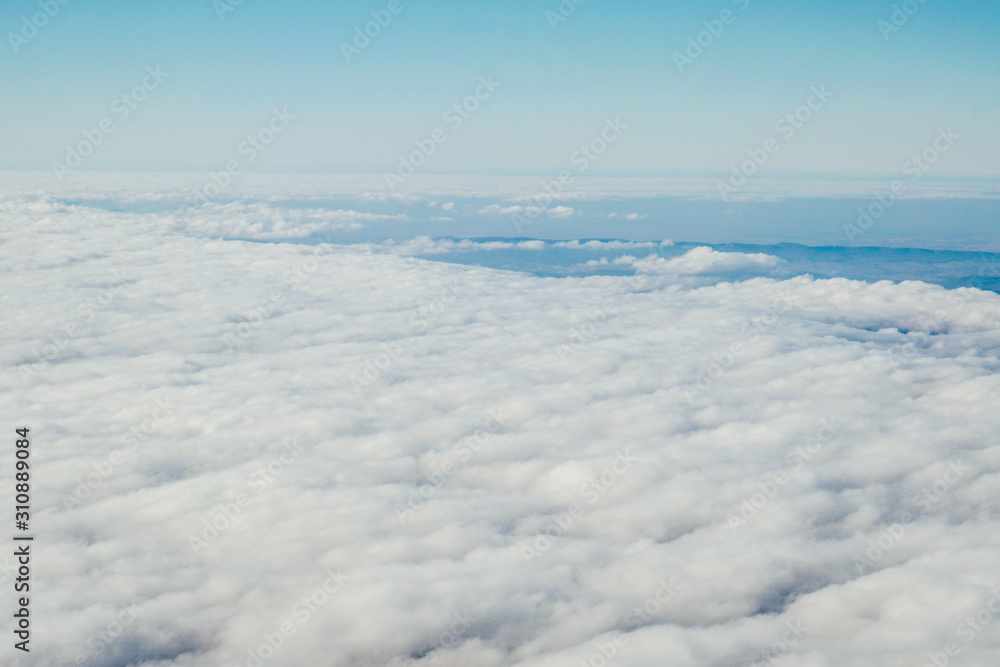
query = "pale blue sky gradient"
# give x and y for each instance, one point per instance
(609, 59)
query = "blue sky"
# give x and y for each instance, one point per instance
(558, 83)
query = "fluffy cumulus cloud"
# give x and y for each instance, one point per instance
(594, 244)
(256, 453)
(701, 260)
(424, 245)
(558, 212)
(497, 209)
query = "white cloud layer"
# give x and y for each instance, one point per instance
(413, 463)
(157, 187)
(263, 222)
